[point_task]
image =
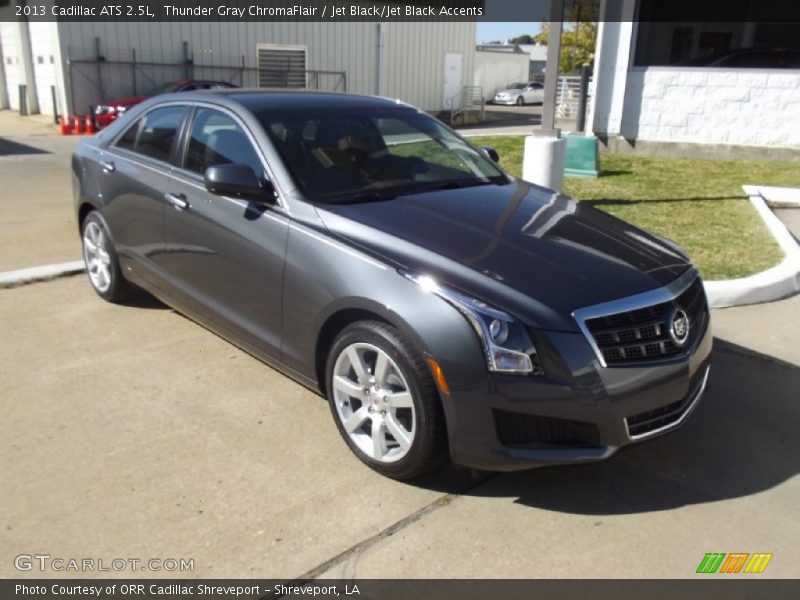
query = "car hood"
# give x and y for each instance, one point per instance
(509, 91)
(523, 248)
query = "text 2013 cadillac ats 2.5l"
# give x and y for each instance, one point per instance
(356, 244)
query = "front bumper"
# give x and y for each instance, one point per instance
(584, 411)
(508, 101)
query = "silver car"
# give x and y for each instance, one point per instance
(530, 92)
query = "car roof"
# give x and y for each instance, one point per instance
(255, 99)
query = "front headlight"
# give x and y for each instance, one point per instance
(506, 344)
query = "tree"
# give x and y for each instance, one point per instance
(578, 37)
(577, 45)
(522, 39)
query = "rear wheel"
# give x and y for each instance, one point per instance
(384, 401)
(102, 264)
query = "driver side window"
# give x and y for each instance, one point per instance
(216, 139)
(154, 134)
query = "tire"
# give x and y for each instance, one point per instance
(102, 263)
(520, 100)
(398, 406)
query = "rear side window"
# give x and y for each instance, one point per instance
(216, 139)
(154, 134)
(128, 139)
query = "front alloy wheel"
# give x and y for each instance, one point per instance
(374, 402)
(384, 401)
(520, 100)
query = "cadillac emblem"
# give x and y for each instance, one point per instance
(679, 327)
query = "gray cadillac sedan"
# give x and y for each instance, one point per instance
(364, 249)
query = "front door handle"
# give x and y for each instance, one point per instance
(107, 166)
(177, 200)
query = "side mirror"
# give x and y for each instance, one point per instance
(236, 180)
(491, 153)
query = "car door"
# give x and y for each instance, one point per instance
(532, 94)
(134, 172)
(538, 93)
(225, 255)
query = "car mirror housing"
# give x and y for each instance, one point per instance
(237, 180)
(491, 153)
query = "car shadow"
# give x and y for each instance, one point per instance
(741, 440)
(142, 299)
(9, 148)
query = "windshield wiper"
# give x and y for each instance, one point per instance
(391, 193)
(454, 184)
(356, 197)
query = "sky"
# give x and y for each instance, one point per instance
(489, 32)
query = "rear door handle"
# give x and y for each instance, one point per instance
(107, 166)
(177, 200)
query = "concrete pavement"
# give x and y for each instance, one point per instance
(36, 199)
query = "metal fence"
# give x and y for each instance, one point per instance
(95, 78)
(567, 94)
(469, 98)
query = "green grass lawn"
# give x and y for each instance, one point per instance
(698, 203)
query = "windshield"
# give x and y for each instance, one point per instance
(518, 86)
(360, 154)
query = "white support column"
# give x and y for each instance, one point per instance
(3, 86)
(26, 61)
(615, 38)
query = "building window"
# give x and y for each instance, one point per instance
(743, 44)
(281, 66)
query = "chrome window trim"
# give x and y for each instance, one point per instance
(689, 410)
(650, 298)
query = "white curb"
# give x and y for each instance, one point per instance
(779, 197)
(21, 276)
(775, 283)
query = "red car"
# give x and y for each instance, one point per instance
(105, 114)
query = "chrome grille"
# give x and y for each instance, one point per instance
(642, 334)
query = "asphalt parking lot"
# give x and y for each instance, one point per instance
(130, 431)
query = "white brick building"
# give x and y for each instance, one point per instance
(741, 86)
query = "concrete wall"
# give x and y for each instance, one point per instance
(494, 71)
(412, 65)
(759, 107)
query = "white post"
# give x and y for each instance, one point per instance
(544, 160)
(545, 151)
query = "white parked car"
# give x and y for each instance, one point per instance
(531, 92)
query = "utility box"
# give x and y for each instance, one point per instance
(582, 159)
